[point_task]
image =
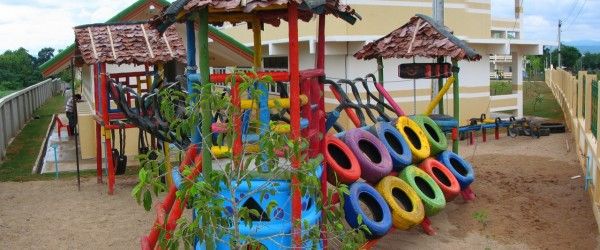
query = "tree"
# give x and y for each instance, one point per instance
(17, 69)
(591, 61)
(569, 57)
(44, 55)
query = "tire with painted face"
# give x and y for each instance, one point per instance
(460, 168)
(374, 159)
(406, 206)
(380, 223)
(341, 161)
(435, 136)
(430, 193)
(395, 144)
(442, 176)
(415, 137)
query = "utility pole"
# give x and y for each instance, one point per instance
(559, 45)
(438, 16)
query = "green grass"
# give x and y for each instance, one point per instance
(546, 107)
(23, 151)
(4, 93)
(500, 87)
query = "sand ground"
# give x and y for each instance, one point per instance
(523, 185)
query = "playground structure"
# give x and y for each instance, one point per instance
(391, 146)
(122, 43)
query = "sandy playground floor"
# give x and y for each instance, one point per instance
(524, 187)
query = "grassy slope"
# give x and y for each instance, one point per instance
(500, 87)
(23, 151)
(547, 108)
(4, 93)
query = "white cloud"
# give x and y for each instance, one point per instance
(49, 23)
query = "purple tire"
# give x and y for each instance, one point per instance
(374, 159)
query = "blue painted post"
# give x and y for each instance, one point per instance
(265, 119)
(196, 137)
(54, 146)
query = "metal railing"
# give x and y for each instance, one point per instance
(17, 108)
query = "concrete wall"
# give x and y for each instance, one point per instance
(17, 108)
(568, 91)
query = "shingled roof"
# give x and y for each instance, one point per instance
(128, 43)
(269, 11)
(420, 37)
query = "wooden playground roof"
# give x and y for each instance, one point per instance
(128, 43)
(268, 11)
(420, 37)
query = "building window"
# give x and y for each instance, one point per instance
(512, 35)
(279, 62)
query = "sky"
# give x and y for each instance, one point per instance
(35, 24)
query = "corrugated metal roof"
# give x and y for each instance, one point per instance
(420, 37)
(271, 16)
(128, 43)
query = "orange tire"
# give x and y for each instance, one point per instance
(442, 177)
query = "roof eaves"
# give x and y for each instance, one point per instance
(71, 48)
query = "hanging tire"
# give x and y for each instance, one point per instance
(554, 127)
(460, 168)
(342, 163)
(406, 206)
(442, 177)
(381, 221)
(395, 144)
(374, 159)
(430, 193)
(436, 138)
(415, 137)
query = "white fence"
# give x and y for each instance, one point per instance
(17, 108)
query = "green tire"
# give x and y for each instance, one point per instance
(435, 136)
(430, 193)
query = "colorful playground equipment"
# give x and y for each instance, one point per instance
(409, 175)
(99, 45)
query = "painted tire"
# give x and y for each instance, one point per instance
(430, 193)
(461, 169)
(375, 161)
(415, 137)
(381, 222)
(342, 163)
(410, 211)
(436, 138)
(442, 176)
(395, 144)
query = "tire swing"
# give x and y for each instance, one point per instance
(461, 169)
(343, 165)
(406, 206)
(415, 137)
(426, 188)
(436, 138)
(442, 176)
(395, 143)
(380, 220)
(375, 161)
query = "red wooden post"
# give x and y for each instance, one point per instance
(107, 134)
(497, 132)
(484, 134)
(295, 118)
(98, 153)
(320, 64)
(471, 138)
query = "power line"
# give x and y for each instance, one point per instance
(573, 7)
(576, 16)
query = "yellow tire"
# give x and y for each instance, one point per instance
(405, 204)
(416, 138)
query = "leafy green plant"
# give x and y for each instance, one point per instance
(214, 196)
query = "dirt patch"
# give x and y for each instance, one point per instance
(523, 186)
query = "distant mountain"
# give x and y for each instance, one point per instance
(585, 46)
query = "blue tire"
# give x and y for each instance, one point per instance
(395, 143)
(380, 223)
(460, 168)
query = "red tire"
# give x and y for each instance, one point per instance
(343, 165)
(442, 177)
